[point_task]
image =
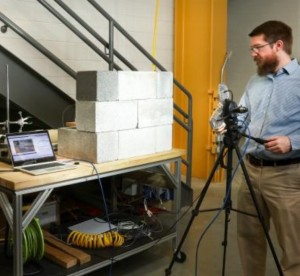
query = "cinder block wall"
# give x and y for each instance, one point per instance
(120, 115)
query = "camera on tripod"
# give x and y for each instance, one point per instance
(224, 120)
(229, 114)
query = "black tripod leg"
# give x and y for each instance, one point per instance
(225, 241)
(195, 211)
(260, 217)
(227, 205)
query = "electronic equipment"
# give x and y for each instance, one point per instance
(32, 152)
(92, 226)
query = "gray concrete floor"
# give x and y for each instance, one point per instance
(210, 253)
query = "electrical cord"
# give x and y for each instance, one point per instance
(257, 140)
(33, 244)
(147, 211)
(130, 226)
(93, 241)
(109, 238)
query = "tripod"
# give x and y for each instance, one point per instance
(231, 143)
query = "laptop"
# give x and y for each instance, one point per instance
(32, 152)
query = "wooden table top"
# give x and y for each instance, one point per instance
(16, 180)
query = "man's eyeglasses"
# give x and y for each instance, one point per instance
(256, 49)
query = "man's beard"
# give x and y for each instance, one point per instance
(266, 66)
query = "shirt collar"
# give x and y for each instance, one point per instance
(289, 69)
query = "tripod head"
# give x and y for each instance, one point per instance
(229, 114)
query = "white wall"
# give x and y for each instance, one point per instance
(243, 17)
(136, 17)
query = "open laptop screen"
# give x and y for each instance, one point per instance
(30, 147)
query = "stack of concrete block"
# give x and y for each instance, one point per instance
(119, 114)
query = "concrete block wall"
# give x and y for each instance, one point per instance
(120, 125)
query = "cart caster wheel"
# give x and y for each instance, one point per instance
(180, 257)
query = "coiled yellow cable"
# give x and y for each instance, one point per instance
(93, 241)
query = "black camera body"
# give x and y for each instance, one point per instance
(229, 114)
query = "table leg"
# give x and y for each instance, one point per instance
(17, 236)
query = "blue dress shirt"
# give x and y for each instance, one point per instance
(273, 103)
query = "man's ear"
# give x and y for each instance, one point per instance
(279, 44)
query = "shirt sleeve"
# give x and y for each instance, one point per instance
(295, 142)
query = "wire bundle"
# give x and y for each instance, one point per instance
(93, 241)
(33, 242)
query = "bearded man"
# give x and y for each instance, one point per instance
(272, 97)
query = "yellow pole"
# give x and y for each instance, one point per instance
(154, 40)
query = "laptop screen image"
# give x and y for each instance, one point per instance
(30, 148)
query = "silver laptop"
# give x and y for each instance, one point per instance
(32, 152)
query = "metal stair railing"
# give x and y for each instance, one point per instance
(84, 38)
(35, 44)
(92, 32)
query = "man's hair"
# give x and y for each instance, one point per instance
(275, 30)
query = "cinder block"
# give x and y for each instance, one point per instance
(137, 85)
(106, 116)
(123, 85)
(164, 85)
(136, 142)
(97, 86)
(155, 112)
(89, 146)
(163, 140)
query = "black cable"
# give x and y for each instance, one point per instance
(257, 140)
(105, 207)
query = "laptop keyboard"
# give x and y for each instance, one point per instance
(43, 166)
